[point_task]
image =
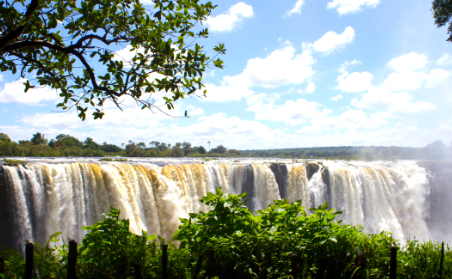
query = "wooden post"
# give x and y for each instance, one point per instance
(198, 266)
(72, 260)
(393, 263)
(165, 261)
(29, 255)
(440, 271)
(293, 258)
(2, 265)
(211, 264)
(137, 268)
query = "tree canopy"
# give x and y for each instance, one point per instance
(68, 46)
(442, 12)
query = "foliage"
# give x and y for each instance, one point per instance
(243, 246)
(219, 149)
(56, 40)
(4, 137)
(13, 162)
(442, 12)
(66, 145)
(38, 138)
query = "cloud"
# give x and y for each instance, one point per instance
(381, 98)
(225, 93)
(405, 81)
(351, 6)
(13, 92)
(310, 88)
(336, 98)
(409, 62)
(231, 19)
(354, 82)
(281, 67)
(332, 41)
(350, 120)
(291, 112)
(296, 9)
(444, 60)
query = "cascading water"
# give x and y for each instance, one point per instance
(40, 199)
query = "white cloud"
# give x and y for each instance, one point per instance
(332, 41)
(409, 62)
(231, 19)
(350, 120)
(13, 92)
(444, 60)
(381, 98)
(193, 111)
(281, 67)
(296, 8)
(336, 98)
(354, 82)
(226, 93)
(403, 81)
(310, 88)
(351, 6)
(291, 112)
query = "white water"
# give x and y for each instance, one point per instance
(46, 198)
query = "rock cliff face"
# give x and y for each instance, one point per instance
(440, 214)
(6, 215)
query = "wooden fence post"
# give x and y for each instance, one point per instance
(198, 266)
(29, 255)
(137, 268)
(211, 264)
(165, 261)
(440, 271)
(72, 260)
(393, 263)
(293, 258)
(2, 265)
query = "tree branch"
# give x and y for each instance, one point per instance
(4, 41)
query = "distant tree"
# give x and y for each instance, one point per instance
(188, 151)
(151, 143)
(162, 146)
(178, 144)
(169, 145)
(234, 152)
(178, 152)
(202, 150)
(130, 148)
(156, 143)
(435, 150)
(186, 144)
(110, 148)
(4, 137)
(39, 138)
(141, 144)
(219, 149)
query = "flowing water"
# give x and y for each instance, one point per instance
(39, 199)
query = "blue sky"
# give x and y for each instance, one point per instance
(298, 73)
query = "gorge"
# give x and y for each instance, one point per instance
(408, 198)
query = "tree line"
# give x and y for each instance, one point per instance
(69, 146)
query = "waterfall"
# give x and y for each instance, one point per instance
(41, 198)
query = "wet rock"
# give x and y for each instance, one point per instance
(311, 168)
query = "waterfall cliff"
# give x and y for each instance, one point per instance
(39, 199)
